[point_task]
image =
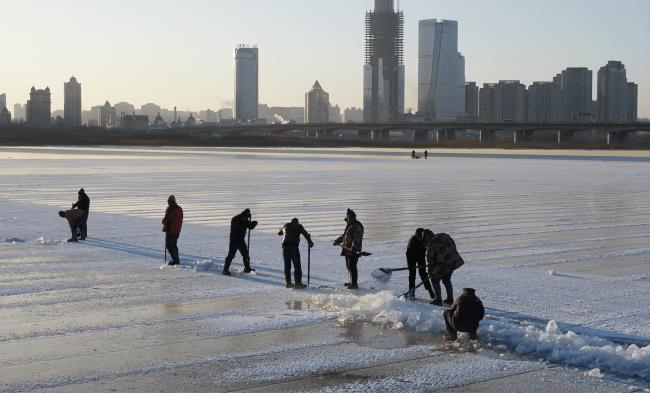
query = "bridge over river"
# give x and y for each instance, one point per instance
(523, 132)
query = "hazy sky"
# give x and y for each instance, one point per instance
(175, 53)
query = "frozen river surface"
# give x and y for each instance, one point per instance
(108, 314)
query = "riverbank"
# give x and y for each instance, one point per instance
(26, 136)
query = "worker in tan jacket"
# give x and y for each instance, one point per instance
(76, 218)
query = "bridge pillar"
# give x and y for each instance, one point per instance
(363, 134)
(324, 134)
(564, 136)
(524, 136)
(614, 138)
(420, 136)
(380, 134)
(486, 136)
(443, 135)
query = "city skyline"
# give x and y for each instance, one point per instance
(504, 41)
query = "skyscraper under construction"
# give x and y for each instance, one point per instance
(383, 72)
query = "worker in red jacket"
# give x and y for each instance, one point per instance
(172, 224)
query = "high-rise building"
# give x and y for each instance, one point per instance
(503, 101)
(151, 110)
(107, 116)
(246, 82)
(5, 116)
(317, 105)
(353, 115)
(632, 102)
(383, 72)
(3, 101)
(38, 109)
(576, 94)
(441, 71)
(612, 92)
(19, 113)
(124, 107)
(225, 113)
(471, 99)
(72, 102)
(542, 102)
(335, 114)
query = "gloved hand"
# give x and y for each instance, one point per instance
(253, 224)
(311, 244)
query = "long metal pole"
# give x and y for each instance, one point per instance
(248, 246)
(165, 247)
(308, 262)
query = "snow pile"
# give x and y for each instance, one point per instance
(206, 265)
(382, 309)
(595, 373)
(571, 348)
(385, 309)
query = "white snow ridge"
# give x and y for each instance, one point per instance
(568, 348)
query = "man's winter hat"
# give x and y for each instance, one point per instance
(351, 213)
(171, 198)
(61, 213)
(418, 232)
(294, 220)
(81, 191)
(246, 213)
(427, 234)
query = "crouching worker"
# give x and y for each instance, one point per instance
(172, 224)
(464, 315)
(291, 252)
(76, 218)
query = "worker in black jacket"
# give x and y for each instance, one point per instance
(464, 315)
(238, 227)
(416, 256)
(290, 252)
(83, 203)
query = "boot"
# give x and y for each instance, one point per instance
(432, 294)
(451, 337)
(83, 232)
(353, 280)
(73, 238)
(346, 284)
(299, 284)
(473, 336)
(436, 302)
(247, 266)
(448, 302)
(175, 260)
(287, 278)
(226, 269)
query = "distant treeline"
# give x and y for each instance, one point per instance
(26, 135)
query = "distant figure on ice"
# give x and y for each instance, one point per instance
(83, 203)
(291, 252)
(416, 255)
(351, 242)
(413, 155)
(238, 227)
(172, 224)
(464, 315)
(75, 218)
(442, 260)
(426, 153)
